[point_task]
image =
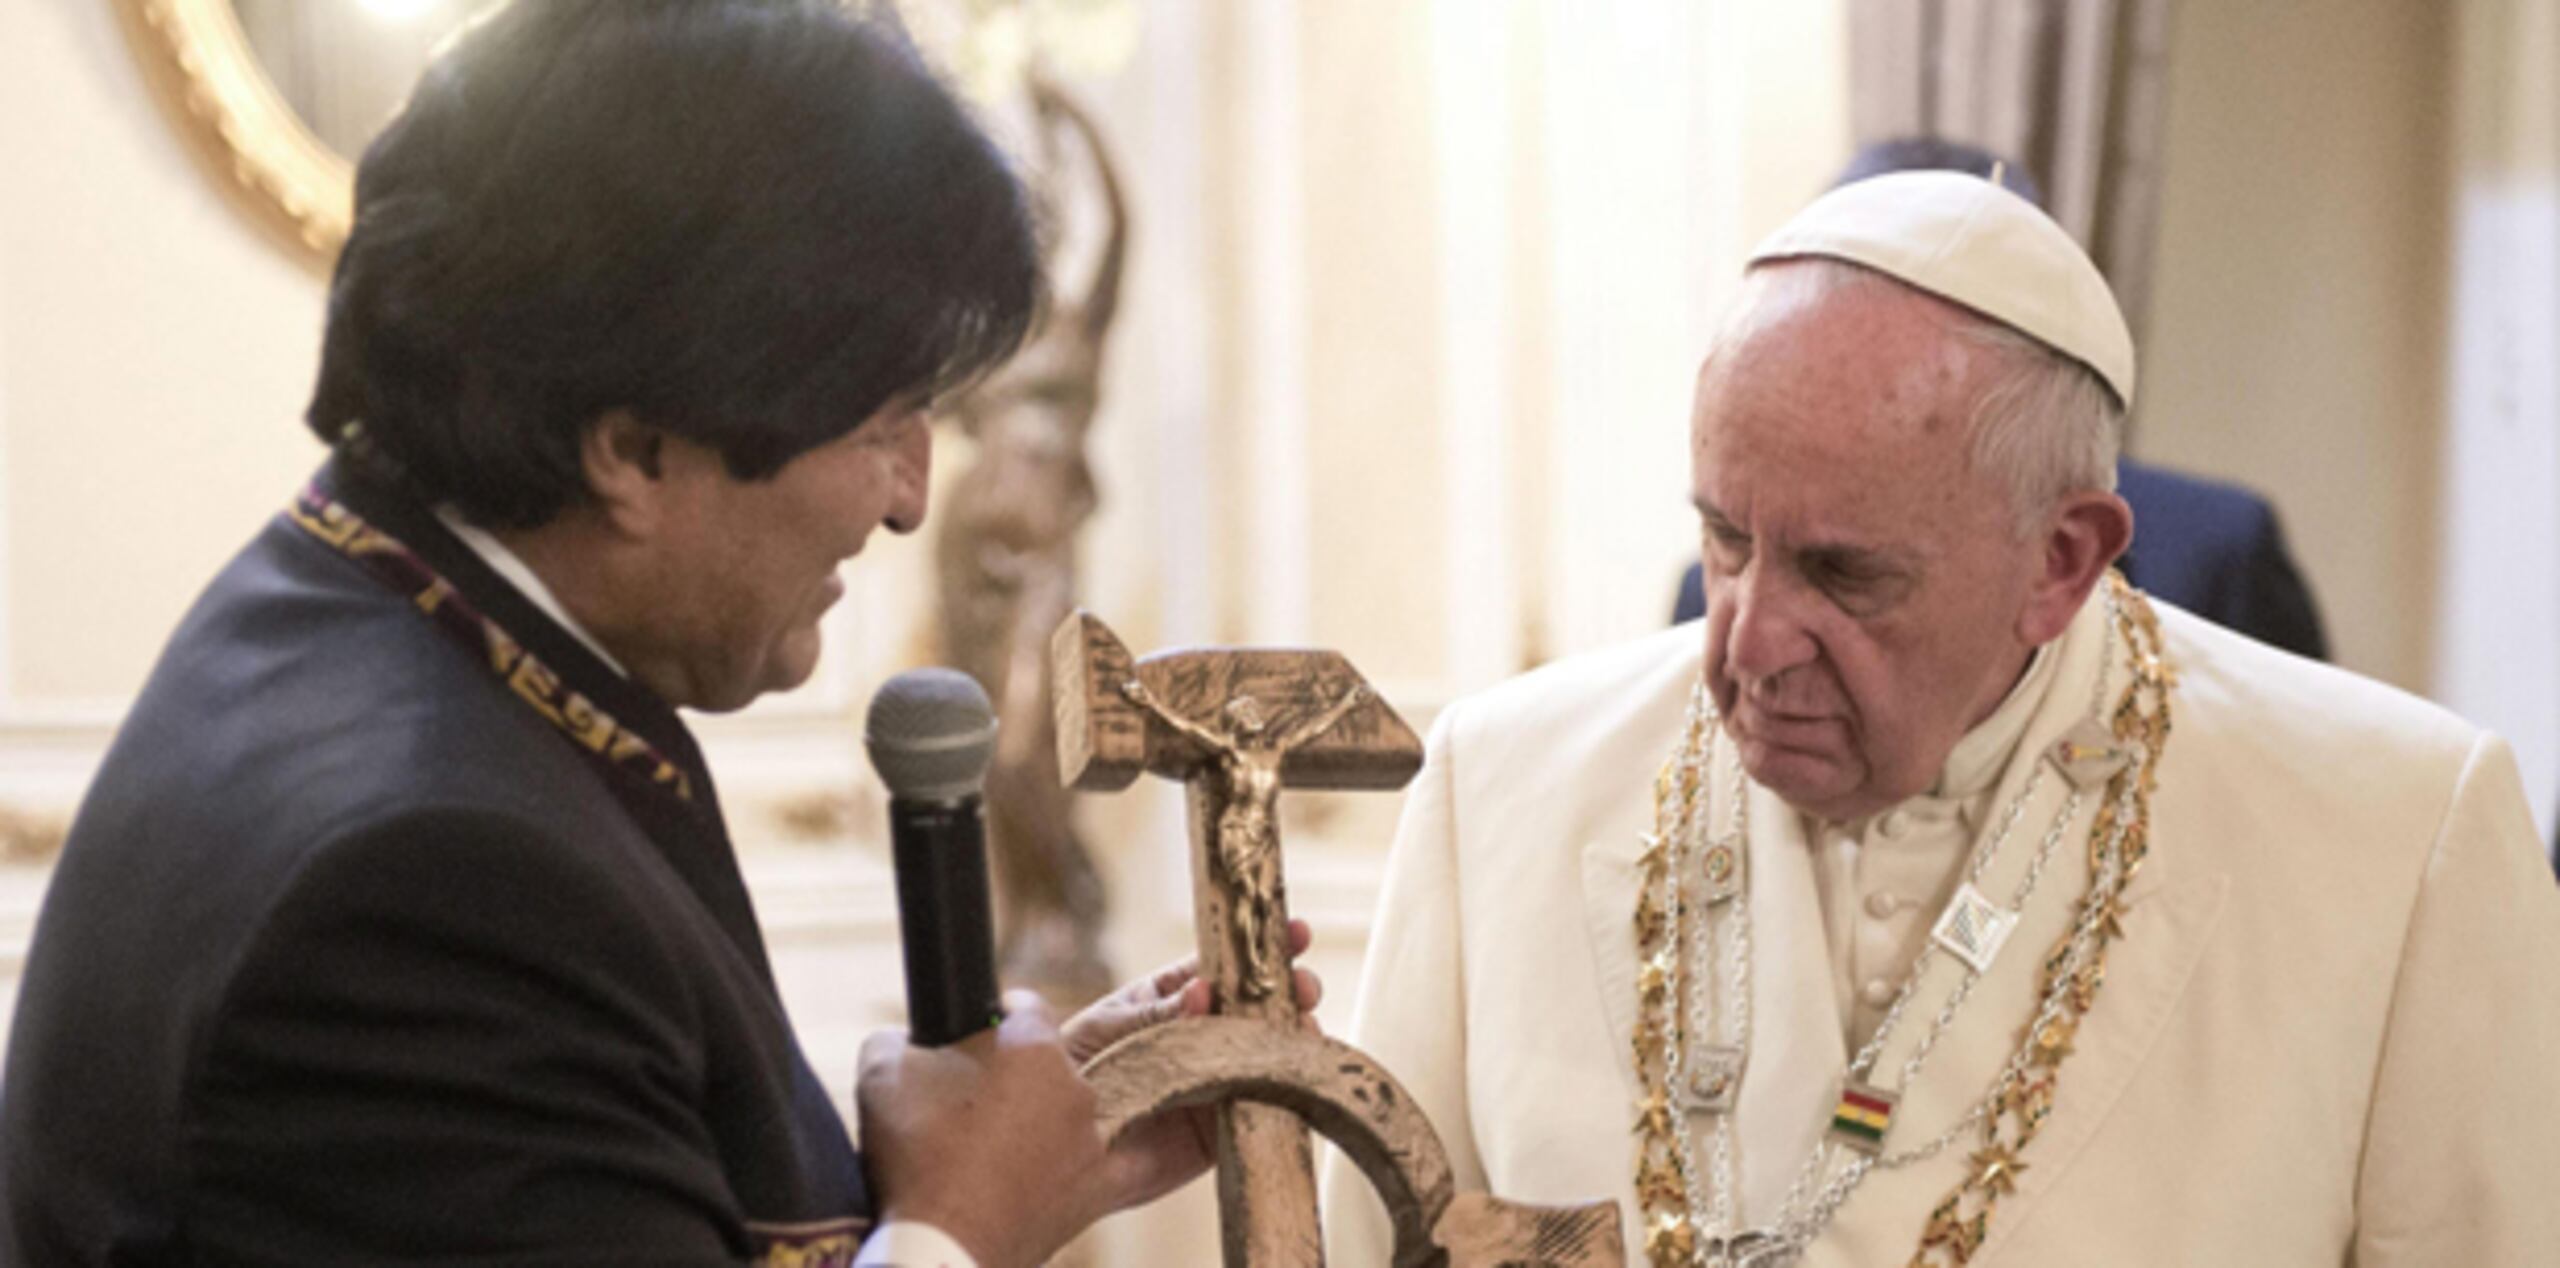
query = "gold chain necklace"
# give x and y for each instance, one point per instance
(2126, 753)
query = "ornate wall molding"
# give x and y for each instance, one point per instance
(199, 61)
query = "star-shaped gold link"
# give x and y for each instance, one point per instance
(1653, 981)
(1671, 1240)
(2053, 1041)
(2111, 914)
(1996, 1169)
(1653, 1113)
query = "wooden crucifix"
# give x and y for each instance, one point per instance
(1237, 727)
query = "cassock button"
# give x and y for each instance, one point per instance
(1877, 992)
(1881, 905)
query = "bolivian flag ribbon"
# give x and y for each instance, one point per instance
(1864, 1115)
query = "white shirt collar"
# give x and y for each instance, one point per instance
(1978, 758)
(511, 566)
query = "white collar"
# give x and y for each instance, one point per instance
(1978, 758)
(511, 566)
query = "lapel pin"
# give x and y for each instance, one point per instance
(2089, 755)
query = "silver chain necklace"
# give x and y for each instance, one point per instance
(1710, 1075)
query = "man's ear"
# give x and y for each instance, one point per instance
(623, 460)
(2081, 538)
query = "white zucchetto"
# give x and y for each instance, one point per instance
(1966, 240)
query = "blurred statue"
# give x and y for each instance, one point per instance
(1006, 560)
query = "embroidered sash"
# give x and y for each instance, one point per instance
(595, 732)
(825, 1244)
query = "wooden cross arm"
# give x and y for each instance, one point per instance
(1105, 739)
(1356, 1104)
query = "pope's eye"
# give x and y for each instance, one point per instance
(1834, 574)
(1858, 587)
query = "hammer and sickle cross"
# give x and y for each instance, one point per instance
(1237, 727)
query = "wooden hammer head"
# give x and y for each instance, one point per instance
(1102, 734)
(1105, 739)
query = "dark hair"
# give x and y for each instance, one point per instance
(750, 222)
(1938, 154)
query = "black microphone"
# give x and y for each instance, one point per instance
(930, 732)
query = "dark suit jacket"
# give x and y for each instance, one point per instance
(2214, 549)
(354, 955)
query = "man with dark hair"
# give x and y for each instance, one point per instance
(2213, 548)
(401, 923)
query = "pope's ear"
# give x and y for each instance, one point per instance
(2080, 540)
(623, 460)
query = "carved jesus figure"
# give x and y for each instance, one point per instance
(1247, 770)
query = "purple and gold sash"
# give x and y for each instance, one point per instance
(821, 1244)
(595, 732)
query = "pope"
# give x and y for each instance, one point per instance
(1942, 899)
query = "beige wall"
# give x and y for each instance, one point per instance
(154, 352)
(1373, 341)
(2296, 329)
(2497, 617)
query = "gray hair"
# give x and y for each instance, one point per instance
(2044, 424)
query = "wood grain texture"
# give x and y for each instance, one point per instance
(1102, 737)
(1370, 748)
(1355, 1103)
(1104, 741)
(1480, 1230)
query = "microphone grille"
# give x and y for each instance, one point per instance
(930, 733)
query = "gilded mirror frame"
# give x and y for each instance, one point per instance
(200, 63)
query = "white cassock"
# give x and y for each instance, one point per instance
(2328, 1035)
